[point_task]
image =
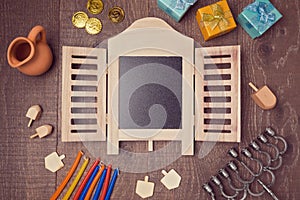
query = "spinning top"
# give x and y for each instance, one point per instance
(171, 179)
(53, 162)
(33, 113)
(263, 97)
(42, 131)
(144, 188)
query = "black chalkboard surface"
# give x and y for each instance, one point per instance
(150, 92)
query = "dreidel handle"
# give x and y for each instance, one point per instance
(253, 86)
(30, 122)
(34, 135)
(164, 172)
(63, 156)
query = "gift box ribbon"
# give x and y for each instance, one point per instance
(264, 11)
(265, 16)
(218, 18)
(181, 4)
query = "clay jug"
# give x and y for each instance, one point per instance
(32, 55)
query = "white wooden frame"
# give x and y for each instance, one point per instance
(144, 38)
(141, 46)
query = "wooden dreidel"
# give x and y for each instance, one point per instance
(33, 113)
(144, 189)
(263, 97)
(171, 179)
(42, 131)
(53, 162)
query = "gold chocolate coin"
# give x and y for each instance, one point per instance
(116, 14)
(94, 6)
(93, 26)
(79, 19)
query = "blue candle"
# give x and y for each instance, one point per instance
(112, 184)
(100, 184)
(85, 190)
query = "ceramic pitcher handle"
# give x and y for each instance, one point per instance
(35, 31)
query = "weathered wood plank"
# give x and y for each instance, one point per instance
(271, 59)
(23, 175)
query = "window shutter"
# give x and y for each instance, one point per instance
(83, 94)
(217, 94)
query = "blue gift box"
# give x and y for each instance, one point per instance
(258, 17)
(175, 8)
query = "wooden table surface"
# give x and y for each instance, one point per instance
(271, 59)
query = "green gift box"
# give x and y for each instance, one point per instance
(258, 17)
(175, 8)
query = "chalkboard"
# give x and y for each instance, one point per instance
(150, 92)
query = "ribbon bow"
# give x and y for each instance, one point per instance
(218, 18)
(264, 12)
(181, 4)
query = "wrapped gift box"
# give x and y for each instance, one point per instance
(258, 17)
(215, 20)
(175, 8)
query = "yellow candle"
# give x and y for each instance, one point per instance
(77, 178)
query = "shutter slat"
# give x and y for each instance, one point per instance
(84, 61)
(83, 105)
(217, 60)
(84, 94)
(217, 94)
(216, 116)
(217, 71)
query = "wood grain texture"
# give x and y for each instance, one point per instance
(23, 175)
(272, 59)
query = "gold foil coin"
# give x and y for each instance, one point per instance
(79, 19)
(93, 26)
(116, 14)
(94, 6)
